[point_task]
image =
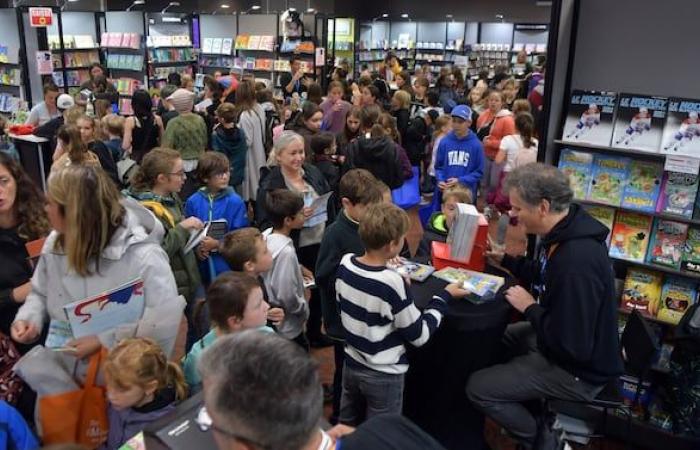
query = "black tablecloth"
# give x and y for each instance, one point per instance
(468, 340)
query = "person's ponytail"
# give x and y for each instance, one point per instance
(176, 379)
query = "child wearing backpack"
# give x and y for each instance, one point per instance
(515, 150)
(230, 140)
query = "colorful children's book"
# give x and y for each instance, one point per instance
(482, 286)
(677, 296)
(678, 193)
(608, 179)
(643, 186)
(642, 288)
(578, 166)
(630, 236)
(413, 270)
(604, 215)
(667, 242)
(691, 251)
(682, 131)
(640, 121)
(590, 117)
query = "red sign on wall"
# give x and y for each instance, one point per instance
(40, 17)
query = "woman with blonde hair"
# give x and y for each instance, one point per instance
(100, 241)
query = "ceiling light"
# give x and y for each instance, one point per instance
(292, 9)
(136, 3)
(385, 15)
(170, 5)
(404, 16)
(499, 17)
(449, 16)
(311, 10)
(225, 6)
(255, 7)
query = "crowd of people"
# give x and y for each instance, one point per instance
(302, 191)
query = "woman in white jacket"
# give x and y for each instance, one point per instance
(251, 119)
(100, 241)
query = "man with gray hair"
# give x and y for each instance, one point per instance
(568, 348)
(262, 391)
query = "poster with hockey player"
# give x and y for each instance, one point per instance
(590, 117)
(639, 123)
(682, 130)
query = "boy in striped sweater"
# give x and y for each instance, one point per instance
(379, 318)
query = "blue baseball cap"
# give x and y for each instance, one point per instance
(462, 111)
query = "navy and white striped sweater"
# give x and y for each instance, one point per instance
(379, 315)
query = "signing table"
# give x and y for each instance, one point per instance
(468, 340)
(36, 156)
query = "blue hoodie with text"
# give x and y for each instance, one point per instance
(461, 158)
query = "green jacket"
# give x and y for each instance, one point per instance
(184, 266)
(188, 135)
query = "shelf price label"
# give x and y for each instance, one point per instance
(683, 164)
(40, 17)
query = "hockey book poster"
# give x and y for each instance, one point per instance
(590, 117)
(639, 123)
(682, 130)
(122, 305)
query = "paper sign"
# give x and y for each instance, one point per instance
(320, 207)
(320, 56)
(40, 17)
(44, 65)
(682, 164)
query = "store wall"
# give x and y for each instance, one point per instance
(496, 33)
(124, 22)
(432, 31)
(217, 26)
(76, 23)
(472, 33)
(651, 51)
(530, 37)
(10, 34)
(32, 46)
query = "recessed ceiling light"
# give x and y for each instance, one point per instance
(385, 15)
(449, 16)
(311, 10)
(404, 16)
(225, 6)
(255, 7)
(292, 9)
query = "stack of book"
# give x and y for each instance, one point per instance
(121, 40)
(217, 46)
(463, 233)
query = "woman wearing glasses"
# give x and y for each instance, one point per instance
(156, 185)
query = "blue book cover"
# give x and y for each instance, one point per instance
(643, 186)
(667, 243)
(609, 179)
(578, 166)
(678, 194)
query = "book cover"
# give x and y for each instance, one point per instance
(590, 117)
(678, 193)
(630, 236)
(677, 295)
(639, 123)
(608, 179)
(604, 215)
(413, 270)
(94, 315)
(480, 284)
(578, 166)
(207, 45)
(643, 186)
(216, 45)
(667, 243)
(682, 131)
(690, 260)
(642, 289)
(254, 42)
(227, 46)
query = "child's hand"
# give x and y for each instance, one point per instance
(456, 290)
(442, 185)
(308, 212)
(451, 182)
(201, 252)
(24, 332)
(84, 346)
(306, 273)
(275, 315)
(192, 223)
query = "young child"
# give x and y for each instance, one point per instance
(400, 104)
(142, 386)
(71, 150)
(155, 185)
(86, 126)
(230, 140)
(324, 148)
(441, 221)
(442, 127)
(380, 318)
(236, 303)
(284, 280)
(215, 200)
(357, 190)
(113, 125)
(350, 132)
(334, 108)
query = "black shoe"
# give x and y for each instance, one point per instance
(321, 341)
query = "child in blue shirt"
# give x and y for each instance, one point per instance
(215, 200)
(460, 157)
(113, 125)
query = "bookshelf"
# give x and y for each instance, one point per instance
(169, 47)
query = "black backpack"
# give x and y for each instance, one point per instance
(272, 119)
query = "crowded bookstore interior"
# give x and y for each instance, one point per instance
(326, 224)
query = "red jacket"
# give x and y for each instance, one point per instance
(502, 126)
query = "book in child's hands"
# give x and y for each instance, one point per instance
(578, 166)
(479, 284)
(642, 288)
(413, 270)
(691, 251)
(677, 295)
(678, 192)
(94, 315)
(604, 215)
(639, 123)
(630, 236)
(643, 186)
(608, 179)
(682, 131)
(667, 241)
(217, 229)
(590, 117)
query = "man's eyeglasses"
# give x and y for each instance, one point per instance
(204, 422)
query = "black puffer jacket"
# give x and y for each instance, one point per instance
(378, 156)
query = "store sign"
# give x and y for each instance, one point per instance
(320, 56)
(40, 17)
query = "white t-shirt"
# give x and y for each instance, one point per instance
(39, 115)
(513, 146)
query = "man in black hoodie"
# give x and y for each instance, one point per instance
(568, 348)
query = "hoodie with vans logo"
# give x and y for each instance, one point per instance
(461, 158)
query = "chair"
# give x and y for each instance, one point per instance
(639, 345)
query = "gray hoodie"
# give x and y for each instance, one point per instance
(285, 284)
(133, 252)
